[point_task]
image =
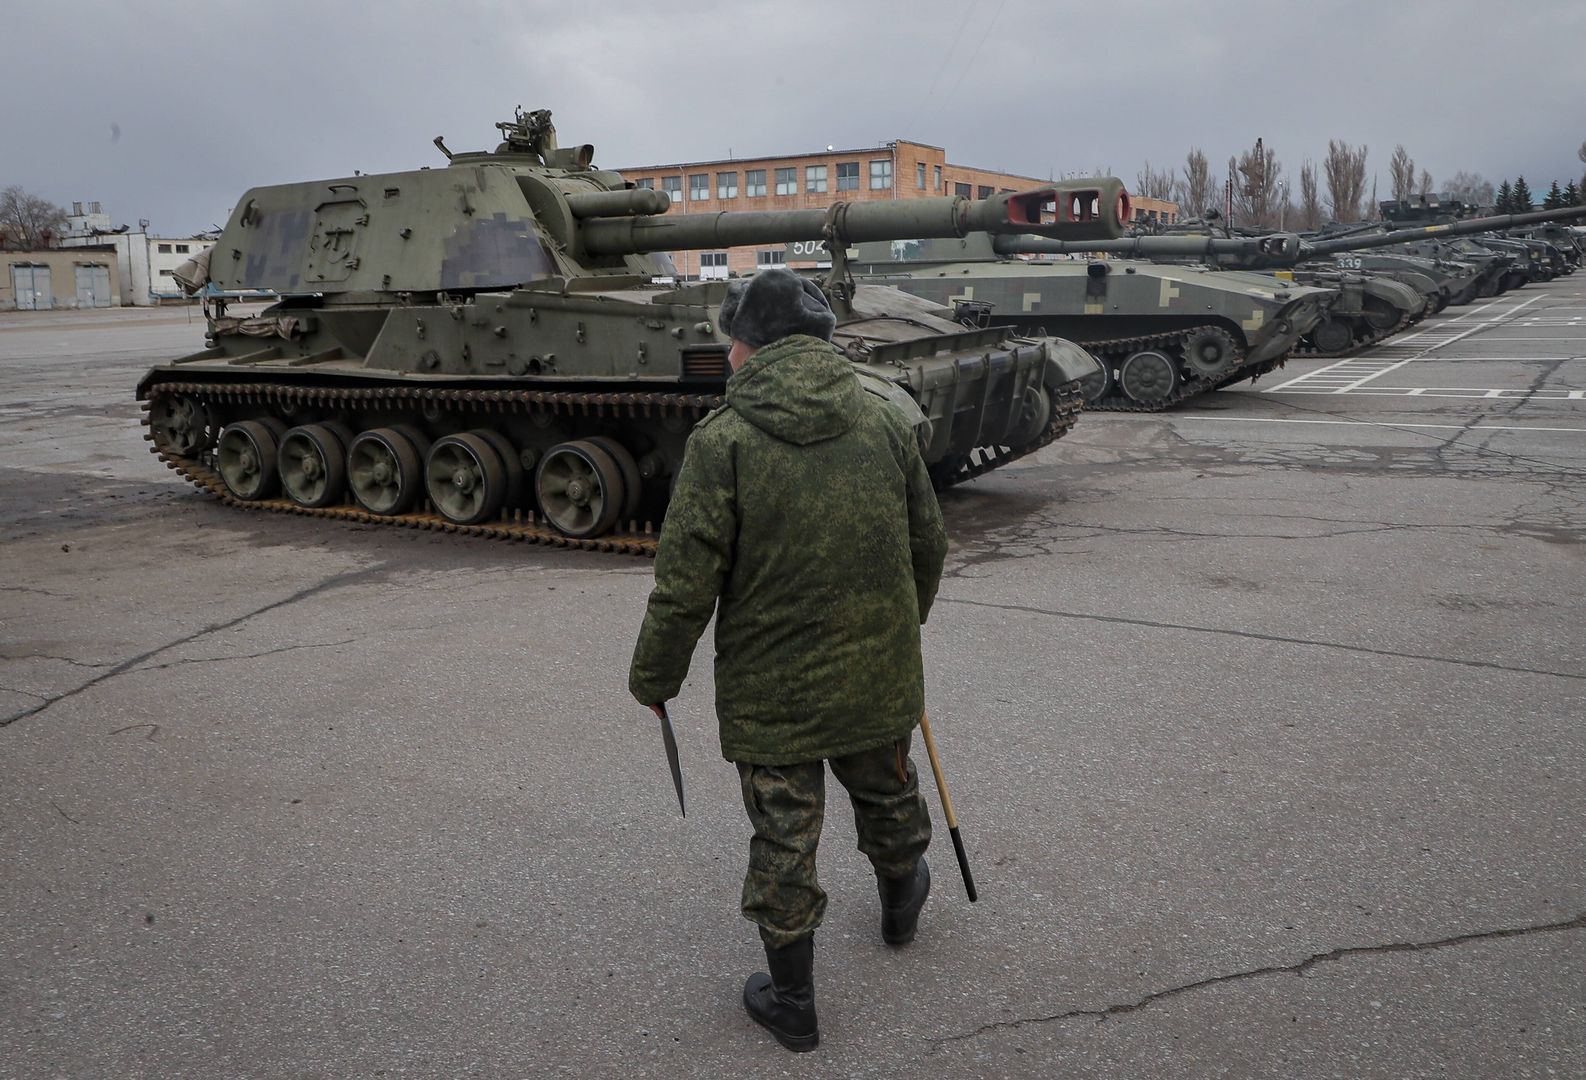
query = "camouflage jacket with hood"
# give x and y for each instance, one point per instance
(802, 516)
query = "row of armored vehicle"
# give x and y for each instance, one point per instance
(500, 347)
(1173, 315)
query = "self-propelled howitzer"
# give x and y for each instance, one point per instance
(499, 347)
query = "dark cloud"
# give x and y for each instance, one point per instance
(203, 102)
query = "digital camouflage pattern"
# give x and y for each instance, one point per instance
(786, 805)
(804, 507)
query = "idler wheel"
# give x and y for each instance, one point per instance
(181, 424)
(465, 478)
(1035, 412)
(632, 483)
(384, 471)
(579, 488)
(1331, 336)
(246, 457)
(1211, 352)
(1148, 376)
(312, 462)
(1096, 385)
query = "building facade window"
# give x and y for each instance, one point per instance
(984, 191)
(848, 176)
(726, 185)
(165, 249)
(181, 249)
(647, 182)
(673, 186)
(787, 181)
(765, 259)
(698, 187)
(919, 175)
(962, 189)
(754, 183)
(712, 265)
(880, 174)
(814, 178)
(937, 171)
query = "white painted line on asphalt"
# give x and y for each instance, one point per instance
(1465, 392)
(1372, 367)
(1357, 423)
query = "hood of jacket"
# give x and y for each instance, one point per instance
(800, 390)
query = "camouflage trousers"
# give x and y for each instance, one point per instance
(786, 804)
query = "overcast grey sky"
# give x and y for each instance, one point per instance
(168, 111)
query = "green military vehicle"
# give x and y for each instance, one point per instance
(1162, 333)
(498, 347)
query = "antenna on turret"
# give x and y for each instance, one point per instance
(440, 144)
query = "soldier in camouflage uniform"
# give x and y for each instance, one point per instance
(803, 518)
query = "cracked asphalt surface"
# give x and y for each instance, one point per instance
(1266, 738)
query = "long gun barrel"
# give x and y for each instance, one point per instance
(1273, 249)
(1089, 211)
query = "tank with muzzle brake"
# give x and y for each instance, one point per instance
(500, 347)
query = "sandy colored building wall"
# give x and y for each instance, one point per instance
(62, 265)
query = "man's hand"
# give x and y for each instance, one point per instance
(659, 711)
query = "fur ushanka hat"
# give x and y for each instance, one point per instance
(775, 304)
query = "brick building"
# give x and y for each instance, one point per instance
(895, 170)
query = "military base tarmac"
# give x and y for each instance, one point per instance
(1262, 718)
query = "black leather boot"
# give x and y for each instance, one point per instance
(783, 1002)
(901, 901)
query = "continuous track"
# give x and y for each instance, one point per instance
(1115, 349)
(638, 538)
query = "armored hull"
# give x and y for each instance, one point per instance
(1161, 333)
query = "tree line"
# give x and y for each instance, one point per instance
(1334, 189)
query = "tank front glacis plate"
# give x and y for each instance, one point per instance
(453, 229)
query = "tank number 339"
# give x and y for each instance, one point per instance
(1349, 262)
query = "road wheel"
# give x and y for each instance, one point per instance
(579, 488)
(384, 471)
(1148, 376)
(465, 479)
(312, 462)
(246, 457)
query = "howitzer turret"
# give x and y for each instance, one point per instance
(500, 346)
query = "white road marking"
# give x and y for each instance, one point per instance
(1356, 423)
(1363, 369)
(1451, 392)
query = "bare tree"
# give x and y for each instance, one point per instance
(1470, 188)
(1196, 190)
(1259, 192)
(30, 221)
(1346, 178)
(1154, 184)
(1310, 201)
(1581, 153)
(1424, 185)
(1402, 169)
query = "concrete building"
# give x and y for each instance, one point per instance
(144, 263)
(59, 278)
(894, 170)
